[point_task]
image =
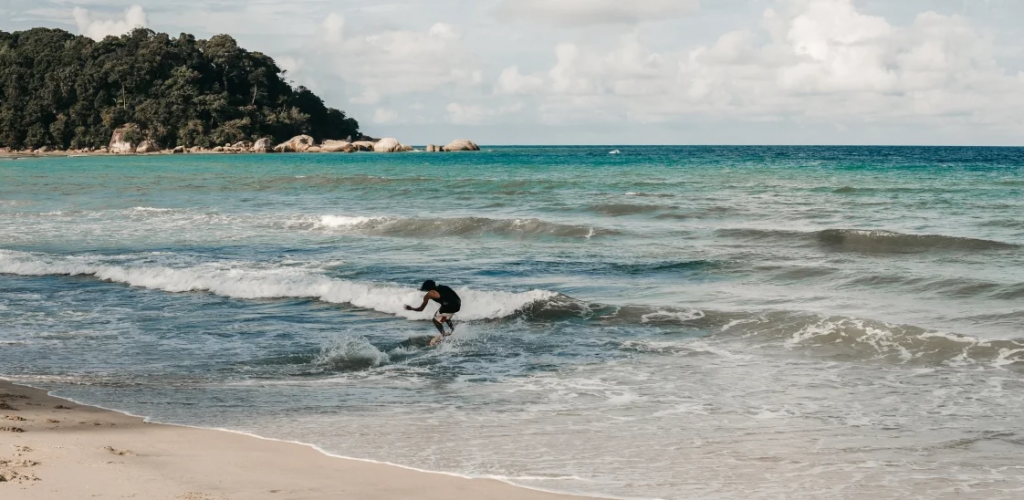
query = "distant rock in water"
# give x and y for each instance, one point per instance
(147, 146)
(389, 145)
(330, 146)
(363, 145)
(462, 145)
(263, 146)
(297, 144)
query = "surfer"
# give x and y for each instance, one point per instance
(450, 304)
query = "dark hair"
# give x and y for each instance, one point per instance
(428, 285)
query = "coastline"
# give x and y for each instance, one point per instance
(56, 448)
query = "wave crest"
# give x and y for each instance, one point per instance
(871, 241)
(240, 280)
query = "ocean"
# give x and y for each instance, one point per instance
(664, 322)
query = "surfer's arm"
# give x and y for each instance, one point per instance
(426, 300)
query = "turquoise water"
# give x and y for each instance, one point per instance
(660, 323)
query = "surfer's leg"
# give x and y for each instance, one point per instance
(439, 326)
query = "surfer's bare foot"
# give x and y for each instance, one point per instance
(436, 340)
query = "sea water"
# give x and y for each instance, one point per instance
(667, 322)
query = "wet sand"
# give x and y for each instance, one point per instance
(52, 448)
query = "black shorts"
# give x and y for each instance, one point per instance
(450, 308)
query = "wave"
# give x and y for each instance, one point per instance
(624, 209)
(350, 354)
(240, 280)
(871, 241)
(463, 227)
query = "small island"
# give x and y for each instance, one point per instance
(148, 93)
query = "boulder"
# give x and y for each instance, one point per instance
(147, 146)
(313, 149)
(297, 144)
(120, 141)
(218, 149)
(195, 149)
(263, 146)
(431, 148)
(335, 146)
(363, 145)
(389, 145)
(103, 149)
(43, 150)
(178, 150)
(462, 145)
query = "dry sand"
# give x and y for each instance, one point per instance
(54, 449)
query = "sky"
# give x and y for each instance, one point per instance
(904, 72)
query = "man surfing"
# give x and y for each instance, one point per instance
(450, 304)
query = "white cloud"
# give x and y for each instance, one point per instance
(590, 12)
(98, 29)
(383, 115)
(333, 28)
(818, 60)
(461, 114)
(394, 62)
(511, 82)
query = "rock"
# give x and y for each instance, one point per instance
(389, 145)
(43, 150)
(297, 144)
(313, 149)
(335, 146)
(5, 150)
(363, 145)
(462, 145)
(120, 141)
(147, 146)
(431, 148)
(195, 149)
(263, 146)
(218, 149)
(104, 149)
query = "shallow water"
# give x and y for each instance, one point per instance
(663, 323)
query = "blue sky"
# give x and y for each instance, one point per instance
(615, 72)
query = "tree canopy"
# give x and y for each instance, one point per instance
(66, 91)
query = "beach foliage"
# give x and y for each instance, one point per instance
(67, 91)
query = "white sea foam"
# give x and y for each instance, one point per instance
(245, 281)
(341, 221)
(152, 209)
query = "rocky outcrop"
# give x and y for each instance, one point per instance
(147, 146)
(462, 145)
(242, 145)
(336, 146)
(313, 149)
(42, 150)
(390, 145)
(121, 142)
(178, 150)
(263, 146)
(195, 149)
(363, 145)
(297, 144)
(432, 148)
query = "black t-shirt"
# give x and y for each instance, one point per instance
(448, 297)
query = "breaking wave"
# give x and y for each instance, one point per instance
(239, 280)
(462, 226)
(869, 241)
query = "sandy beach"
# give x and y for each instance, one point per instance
(52, 448)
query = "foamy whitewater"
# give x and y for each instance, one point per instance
(677, 323)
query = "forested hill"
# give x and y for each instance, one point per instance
(66, 91)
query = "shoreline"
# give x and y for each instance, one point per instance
(109, 453)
